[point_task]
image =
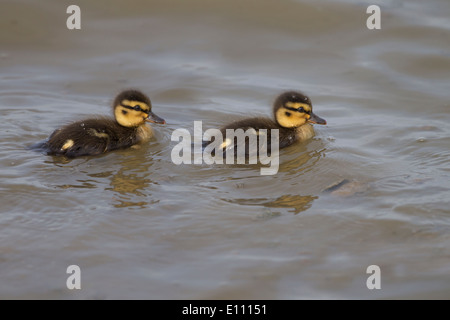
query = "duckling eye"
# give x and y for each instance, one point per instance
(137, 108)
(301, 109)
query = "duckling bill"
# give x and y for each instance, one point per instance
(293, 117)
(132, 110)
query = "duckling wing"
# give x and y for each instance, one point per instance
(255, 123)
(249, 136)
(89, 137)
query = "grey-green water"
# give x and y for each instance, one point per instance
(141, 227)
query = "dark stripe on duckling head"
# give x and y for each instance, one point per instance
(135, 107)
(293, 101)
(299, 107)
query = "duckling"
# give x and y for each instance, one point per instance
(293, 115)
(132, 109)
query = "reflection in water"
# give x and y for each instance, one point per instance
(296, 161)
(129, 183)
(304, 160)
(126, 176)
(347, 188)
(125, 183)
(61, 161)
(84, 185)
(73, 165)
(127, 186)
(296, 202)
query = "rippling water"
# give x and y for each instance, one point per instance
(141, 227)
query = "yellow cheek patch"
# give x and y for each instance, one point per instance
(128, 118)
(290, 119)
(68, 144)
(296, 105)
(97, 134)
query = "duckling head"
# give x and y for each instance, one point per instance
(132, 108)
(293, 109)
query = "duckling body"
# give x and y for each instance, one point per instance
(293, 117)
(94, 136)
(132, 109)
(287, 136)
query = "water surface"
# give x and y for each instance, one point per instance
(141, 227)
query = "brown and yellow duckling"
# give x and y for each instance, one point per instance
(293, 116)
(132, 109)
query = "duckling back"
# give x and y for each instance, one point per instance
(91, 137)
(259, 128)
